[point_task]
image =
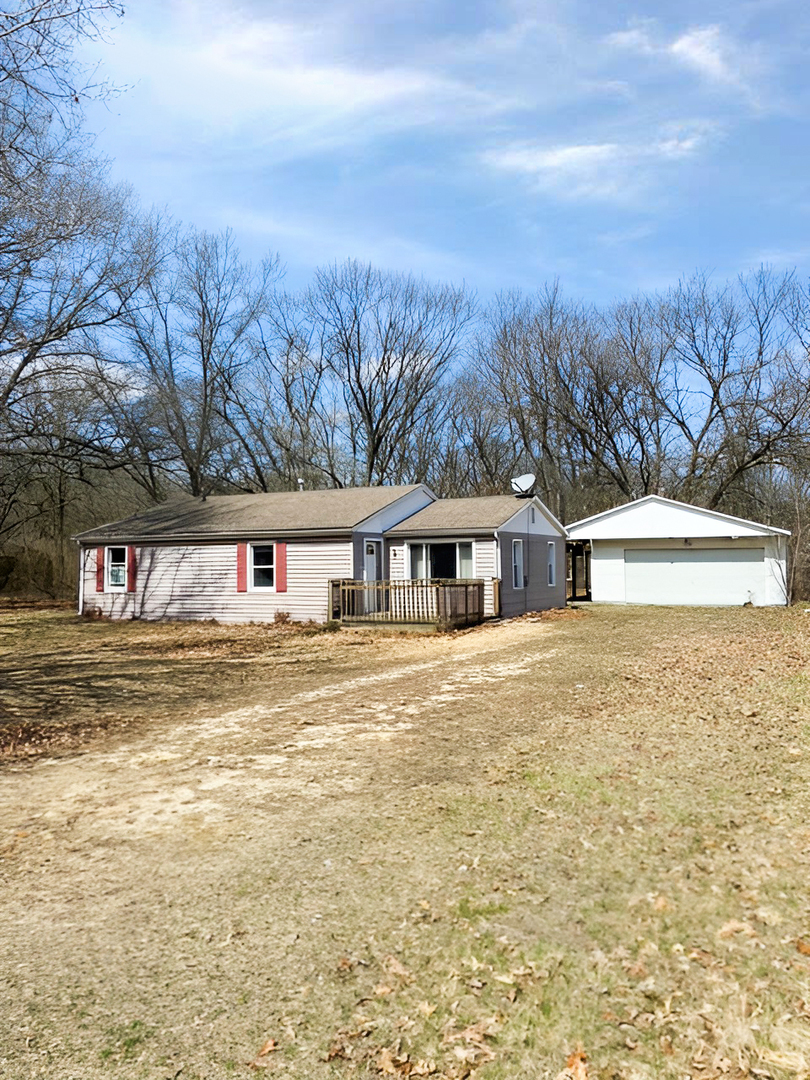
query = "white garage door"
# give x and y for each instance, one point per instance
(690, 576)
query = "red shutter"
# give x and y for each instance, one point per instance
(100, 569)
(281, 567)
(132, 569)
(241, 567)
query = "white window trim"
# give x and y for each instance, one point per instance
(261, 588)
(109, 586)
(518, 588)
(450, 540)
(551, 561)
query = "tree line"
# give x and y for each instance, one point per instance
(140, 360)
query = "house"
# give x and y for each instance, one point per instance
(516, 545)
(240, 558)
(243, 558)
(659, 551)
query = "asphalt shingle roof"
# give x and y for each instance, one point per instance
(482, 513)
(264, 514)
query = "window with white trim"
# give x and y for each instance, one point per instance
(552, 564)
(116, 568)
(518, 579)
(262, 566)
(451, 559)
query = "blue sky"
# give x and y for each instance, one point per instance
(499, 142)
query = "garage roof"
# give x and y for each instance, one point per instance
(657, 518)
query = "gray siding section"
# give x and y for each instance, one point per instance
(199, 582)
(538, 595)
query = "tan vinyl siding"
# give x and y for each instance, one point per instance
(199, 582)
(396, 561)
(485, 565)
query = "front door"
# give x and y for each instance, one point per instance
(372, 560)
(372, 571)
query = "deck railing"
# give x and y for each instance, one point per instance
(445, 603)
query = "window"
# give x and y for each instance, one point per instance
(465, 561)
(116, 568)
(262, 566)
(532, 514)
(518, 580)
(552, 564)
(446, 560)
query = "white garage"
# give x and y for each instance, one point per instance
(658, 551)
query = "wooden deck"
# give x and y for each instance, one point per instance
(441, 603)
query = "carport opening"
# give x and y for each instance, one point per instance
(578, 570)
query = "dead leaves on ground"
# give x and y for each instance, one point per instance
(262, 1059)
(576, 1067)
(452, 1045)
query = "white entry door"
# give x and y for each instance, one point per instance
(711, 576)
(372, 571)
(372, 560)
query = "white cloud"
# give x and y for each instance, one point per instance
(709, 51)
(209, 74)
(609, 171)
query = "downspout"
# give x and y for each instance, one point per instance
(496, 607)
(81, 580)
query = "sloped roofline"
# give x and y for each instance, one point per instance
(681, 505)
(408, 529)
(535, 500)
(130, 534)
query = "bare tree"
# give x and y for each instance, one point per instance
(188, 337)
(386, 345)
(739, 383)
(37, 48)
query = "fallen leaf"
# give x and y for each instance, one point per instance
(476, 1033)
(268, 1048)
(393, 967)
(385, 1063)
(637, 970)
(423, 1068)
(734, 926)
(803, 947)
(382, 990)
(576, 1067)
(426, 1009)
(390, 1064)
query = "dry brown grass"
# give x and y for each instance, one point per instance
(575, 846)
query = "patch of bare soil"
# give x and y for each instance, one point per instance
(573, 847)
(65, 680)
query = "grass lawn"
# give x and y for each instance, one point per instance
(575, 845)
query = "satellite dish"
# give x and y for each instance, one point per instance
(523, 486)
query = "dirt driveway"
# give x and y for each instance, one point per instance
(451, 856)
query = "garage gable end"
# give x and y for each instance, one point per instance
(656, 518)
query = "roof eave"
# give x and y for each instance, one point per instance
(224, 537)
(405, 534)
(766, 529)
